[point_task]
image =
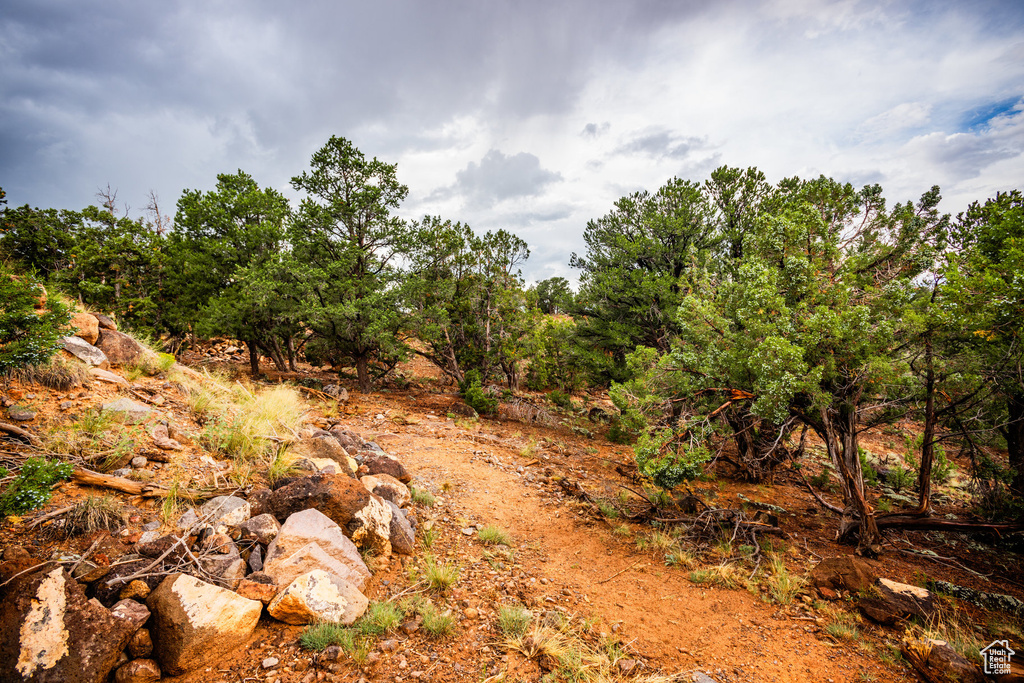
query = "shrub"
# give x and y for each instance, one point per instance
(492, 535)
(441, 576)
(560, 398)
(58, 373)
(25, 337)
(514, 621)
(31, 489)
(900, 478)
(422, 496)
(379, 618)
(436, 623)
(474, 395)
(94, 513)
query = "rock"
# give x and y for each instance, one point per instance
(843, 573)
(21, 413)
(324, 448)
(105, 323)
(196, 623)
(127, 411)
(270, 662)
(87, 326)
(381, 463)
(50, 632)
(388, 488)
(258, 586)
(134, 614)
(338, 496)
(162, 439)
(140, 645)
(983, 599)
(263, 528)
(890, 602)
(88, 572)
(139, 461)
(107, 376)
(151, 526)
(220, 544)
(937, 662)
(109, 594)
(310, 557)
(119, 348)
(318, 596)
(224, 511)
(226, 570)
(371, 527)
(84, 351)
(258, 500)
(152, 544)
(460, 409)
(403, 538)
(349, 440)
(136, 590)
(626, 666)
(138, 671)
(336, 392)
(256, 558)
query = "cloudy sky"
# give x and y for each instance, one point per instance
(528, 116)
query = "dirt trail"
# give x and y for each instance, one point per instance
(677, 625)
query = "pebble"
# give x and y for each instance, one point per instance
(471, 613)
(469, 531)
(139, 461)
(270, 662)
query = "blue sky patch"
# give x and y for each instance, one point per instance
(979, 117)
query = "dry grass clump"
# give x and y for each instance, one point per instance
(60, 373)
(95, 513)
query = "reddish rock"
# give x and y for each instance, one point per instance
(138, 671)
(50, 632)
(889, 602)
(382, 463)
(843, 573)
(140, 645)
(105, 323)
(258, 586)
(119, 348)
(87, 326)
(338, 496)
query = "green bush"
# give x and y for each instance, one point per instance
(31, 489)
(474, 395)
(25, 337)
(560, 398)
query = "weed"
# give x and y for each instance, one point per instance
(608, 509)
(282, 466)
(529, 449)
(422, 497)
(437, 624)
(723, 575)
(900, 478)
(560, 398)
(951, 625)
(678, 557)
(492, 535)
(94, 513)
(844, 626)
(783, 587)
(380, 618)
(514, 621)
(428, 537)
(33, 487)
(884, 505)
(169, 509)
(660, 540)
(440, 576)
(621, 530)
(892, 656)
(322, 635)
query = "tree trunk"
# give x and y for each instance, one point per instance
(363, 373)
(273, 349)
(841, 442)
(291, 354)
(924, 477)
(1015, 439)
(254, 358)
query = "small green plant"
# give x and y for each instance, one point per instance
(492, 535)
(380, 618)
(900, 478)
(514, 621)
(282, 465)
(724, 575)
(169, 508)
(621, 530)
(94, 513)
(436, 623)
(783, 587)
(844, 626)
(560, 398)
(823, 479)
(474, 394)
(608, 509)
(422, 497)
(884, 505)
(32, 488)
(942, 467)
(58, 373)
(678, 557)
(320, 636)
(439, 576)
(428, 537)
(870, 473)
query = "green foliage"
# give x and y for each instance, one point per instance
(32, 488)
(474, 394)
(560, 398)
(900, 478)
(660, 457)
(870, 473)
(379, 618)
(553, 296)
(422, 496)
(557, 360)
(493, 535)
(436, 624)
(27, 339)
(514, 620)
(440, 576)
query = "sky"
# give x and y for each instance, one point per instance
(531, 116)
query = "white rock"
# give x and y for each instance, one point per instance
(313, 526)
(309, 557)
(224, 511)
(318, 596)
(374, 530)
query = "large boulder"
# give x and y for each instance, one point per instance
(937, 662)
(338, 496)
(310, 557)
(349, 440)
(846, 573)
(403, 538)
(388, 488)
(324, 448)
(312, 526)
(86, 326)
(318, 596)
(261, 528)
(224, 511)
(127, 411)
(890, 602)
(370, 527)
(119, 348)
(196, 623)
(138, 671)
(84, 351)
(381, 463)
(49, 631)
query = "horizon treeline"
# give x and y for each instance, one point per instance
(728, 312)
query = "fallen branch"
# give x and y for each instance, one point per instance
(50, 515)
(19, 432)
(89, 478)
(620, 572)
(911, 522)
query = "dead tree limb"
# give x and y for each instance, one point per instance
(19, 432)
